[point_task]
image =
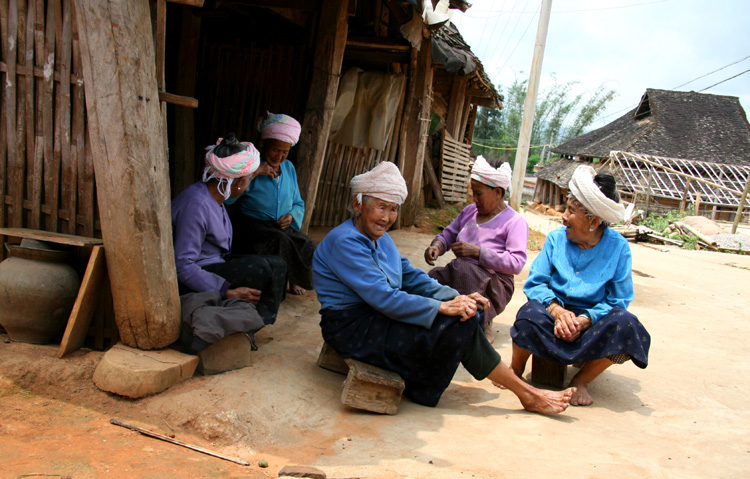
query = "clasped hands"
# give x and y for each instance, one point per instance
(568, 326)
(244, 293)
(464, 305)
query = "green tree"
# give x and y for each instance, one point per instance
(560, 116)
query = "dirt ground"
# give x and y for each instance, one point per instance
(686, 415)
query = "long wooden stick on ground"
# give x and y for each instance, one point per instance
(117, 422)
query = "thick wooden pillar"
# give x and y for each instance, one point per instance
(415, 128)
(316, 125)
(132, 177)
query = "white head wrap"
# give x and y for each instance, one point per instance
(492, 177)
(384, 182)
(583, 188)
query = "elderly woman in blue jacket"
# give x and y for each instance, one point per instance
(378, 308)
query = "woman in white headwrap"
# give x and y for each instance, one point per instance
(202, 234)
(272, 208)
(579, 289)
(379, 309)
(489, 240)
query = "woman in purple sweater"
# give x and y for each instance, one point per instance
(203, 234)
(489, 240)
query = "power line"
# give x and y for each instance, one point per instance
(711, 73)
(480, 15)
(722, 81)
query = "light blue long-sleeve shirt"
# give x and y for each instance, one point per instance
(348, 270)
(268, 199)
(590, 280)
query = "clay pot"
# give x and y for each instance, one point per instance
(37, 291)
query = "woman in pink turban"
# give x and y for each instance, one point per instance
(202, 234)
(489, 240)
(272, 208)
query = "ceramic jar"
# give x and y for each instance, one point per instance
(37, 291)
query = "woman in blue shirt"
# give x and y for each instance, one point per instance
(579, 288)
(272, 209)
(379, 309)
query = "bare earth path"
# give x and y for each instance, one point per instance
(686, 415)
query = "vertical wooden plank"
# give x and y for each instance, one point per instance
(316, 125)
(184, 141)
(84, 220)
(416, 125)
(36, 171)
(62, 119)
(4, 167)
(15, 185)
(32, 220)
(456, 107)
(124, 120)
(50, 166)
(22, 74)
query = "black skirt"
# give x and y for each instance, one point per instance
(253, 236)
(619, 332)
(426, 359)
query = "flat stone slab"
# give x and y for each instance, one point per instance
(232, 352)
(135, 373)
(302, 471)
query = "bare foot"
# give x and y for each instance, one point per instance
(547, 402)
(581, 396)
(296, 290)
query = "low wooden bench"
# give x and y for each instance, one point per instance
(545, 372)
(366, 387)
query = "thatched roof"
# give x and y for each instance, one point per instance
(559, 172)
(451, 50)
(688, 125)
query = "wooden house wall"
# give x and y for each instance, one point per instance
(46, 168)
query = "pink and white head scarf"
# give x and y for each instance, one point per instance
(384, 182)
(280, 127)
(492, 177)
(227, 169)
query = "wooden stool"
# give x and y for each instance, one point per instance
(366, 387)
(545, 372)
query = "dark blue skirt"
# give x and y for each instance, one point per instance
(619, 332)
(426, 359)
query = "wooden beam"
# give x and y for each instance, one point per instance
(377, 43)
(50, 236)
(415, 127)
(83, 308)
(321, 101)
(190, 3)
(178, 99)
(132, 177)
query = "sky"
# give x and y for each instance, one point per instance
(625, 45)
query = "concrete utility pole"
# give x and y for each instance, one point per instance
(529, 108)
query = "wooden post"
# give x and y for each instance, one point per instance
(184, 137)
(648, 193)
(697, 203)
(132, 178)
(416, 124)
(738, 215)
(316, 125)
(456, 107)
(529, 109)
(683, 202)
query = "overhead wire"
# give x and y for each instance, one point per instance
(726, 80)
(711, 73)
